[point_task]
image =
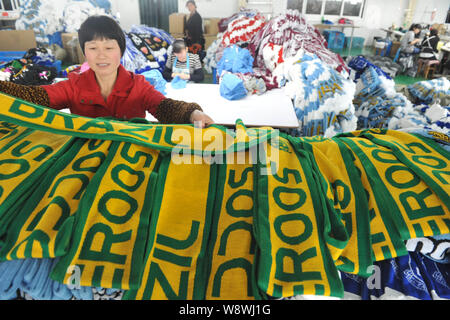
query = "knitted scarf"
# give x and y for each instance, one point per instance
(114, 201)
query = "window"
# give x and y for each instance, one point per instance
(333, 7)
(345, 8)
(295, 4)
(314, 7)
(8, 5)
(352, 8)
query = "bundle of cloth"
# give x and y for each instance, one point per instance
(102, 199)
(238, 62)
(35, 68)
(290, 33)
(322, 98)
(147, 48)
(391, 68)
(156, 79)
(210, 61)
(225, 22)
(429, 108)
(47, 17)
(76, 12)
(359, 64)
(410, 277)
(240, 29)
(29, 279)
(418, 107)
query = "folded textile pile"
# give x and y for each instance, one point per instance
(436, 248)
(323, 99)
(146, 49)
(359, 64)
(239, 62)
(76, 12)
(225, 22)
(409, 277)
(46, 17)
(292, 33)
(431, 91)
(31, 278)
(210, 60)
(105, 196)
(376, 99)
(156, 79)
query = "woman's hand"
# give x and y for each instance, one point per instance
(201, 119)
(185, 76)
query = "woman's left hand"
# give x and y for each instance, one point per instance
(201, 119)
(185, 76)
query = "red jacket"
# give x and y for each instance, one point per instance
(131, 97)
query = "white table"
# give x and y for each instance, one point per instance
(273, 109)
(396, 33)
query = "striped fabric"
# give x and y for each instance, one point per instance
(194, 62)
(146, 209)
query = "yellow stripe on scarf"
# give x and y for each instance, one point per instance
(293, 256)
(176, 232)
(233, 246)
(113, 218)
(43, 227)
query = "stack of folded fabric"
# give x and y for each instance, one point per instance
(323, 99)
(146, 49)
(293, 33)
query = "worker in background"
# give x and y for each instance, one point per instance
(107, 89)
(410, 42)
(183, 64)
(429, 46)
(194, 29)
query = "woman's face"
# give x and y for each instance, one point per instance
(190, 7)
(181, 56)
(103, 56)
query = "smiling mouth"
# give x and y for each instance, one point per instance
(102, 65)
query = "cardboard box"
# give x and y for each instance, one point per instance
(209, 39)
(177, 35)
(72, 47)
(440, 27)
(177, 21)
(394, 48)
(17, 40)
(211, 26)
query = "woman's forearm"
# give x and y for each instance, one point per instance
(33, 94)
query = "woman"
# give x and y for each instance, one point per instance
(194, 29)
(183, 64)
(409, 40)
(429, 46)
(107, 89)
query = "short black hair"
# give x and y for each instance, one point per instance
(434, 32)
(178, 45)
(191, 1)
(101, 27)
(415, 26)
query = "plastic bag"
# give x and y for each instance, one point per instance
(156, 79)
(178, 83)
(232, 88)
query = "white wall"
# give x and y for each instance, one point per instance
(424, 8)
(212, 8)
(128, 11)
(377, 13)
